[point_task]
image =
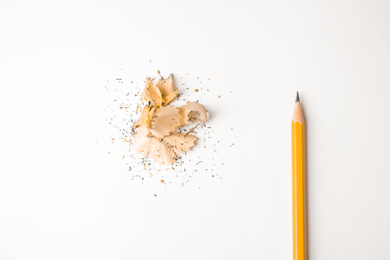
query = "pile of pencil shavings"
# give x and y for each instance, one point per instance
(158, 135)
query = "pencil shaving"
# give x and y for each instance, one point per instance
(157, 135)
(164, 121)
(180, 142)
(191, 107)
(152, 93)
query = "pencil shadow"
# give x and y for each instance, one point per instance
(307, 186)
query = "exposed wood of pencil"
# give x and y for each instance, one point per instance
(299, 183)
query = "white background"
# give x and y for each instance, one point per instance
(63, 197)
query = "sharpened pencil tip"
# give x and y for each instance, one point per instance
(297, 98)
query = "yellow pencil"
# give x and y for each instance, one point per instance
(298, 137)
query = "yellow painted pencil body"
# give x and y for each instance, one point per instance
(298, 183)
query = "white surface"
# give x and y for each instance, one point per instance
(62, 197)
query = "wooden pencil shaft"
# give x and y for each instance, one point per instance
(298, 184)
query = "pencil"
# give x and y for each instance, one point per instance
(298, 182)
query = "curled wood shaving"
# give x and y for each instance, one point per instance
(157, 136)
(167, 89)
(164, 121)
(190, 107)
(168, 99)
(146, 116)
(161, 153)
(143, 117)
(152, 93)
(142, 140)
(180, 142)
